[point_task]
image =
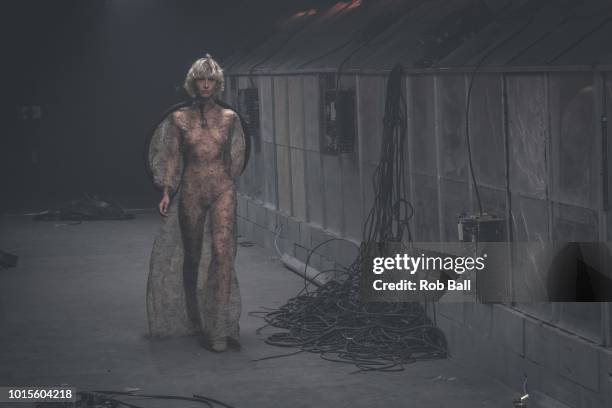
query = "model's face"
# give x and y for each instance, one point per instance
(206, 86)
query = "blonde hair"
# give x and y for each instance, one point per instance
(204, 68)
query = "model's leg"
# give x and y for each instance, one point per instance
(192, 214)
(223, 213)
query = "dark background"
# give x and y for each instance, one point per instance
(103, 72)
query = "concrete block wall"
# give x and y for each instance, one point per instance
(509, 345)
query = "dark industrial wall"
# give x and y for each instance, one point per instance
(538, 154)
(102, 72)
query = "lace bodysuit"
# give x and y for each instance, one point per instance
(200, 155)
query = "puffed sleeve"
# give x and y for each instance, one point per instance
(237, 148)
(165, 155)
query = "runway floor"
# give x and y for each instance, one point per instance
(73, 312)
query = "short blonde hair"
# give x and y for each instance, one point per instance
(204, 68)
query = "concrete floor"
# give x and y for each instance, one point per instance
(73, 312)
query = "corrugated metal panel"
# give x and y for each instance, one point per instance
(332, 193)
(260, 54)
(527, 134)
(269, 176)
(251, 182)
(369, 114)
(575, 224)
(326, 39)
(606, 59)
(472, 52)
(426, 219)
(454, 200)
(486, 130)
(283, 175)
(580, 225)
(574, 143)
(326, 45)
(367, 186)
(423, 132)
(281, 111)
(561, 40)
(450, 99)
(402, 42)
(493, 201)
(326, 35)
(351, 186)
(266, 107)
(298, 183)
(505, 39)
(372, 35)
(314, 188)
(607, 150)
(312, 125)
(589, 50)
(524, 34)
(550, 35)
(530, 223)
(295, 92)
(378, 34)
(530, 219)
(319, 36)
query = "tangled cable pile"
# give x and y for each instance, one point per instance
(332, 320)
(88, 208)
(372, 336)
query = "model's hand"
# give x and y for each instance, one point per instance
(163, 204)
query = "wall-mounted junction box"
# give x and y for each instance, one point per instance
(338, 124)
(481, 228)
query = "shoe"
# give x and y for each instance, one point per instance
(219, 345)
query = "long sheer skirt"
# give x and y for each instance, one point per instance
(167, 299)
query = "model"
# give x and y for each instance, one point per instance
(196, 156)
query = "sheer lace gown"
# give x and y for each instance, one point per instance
(197, 153)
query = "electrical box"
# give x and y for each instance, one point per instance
(493, 285)
(481, 228)
(338, 133)
(248, 106)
